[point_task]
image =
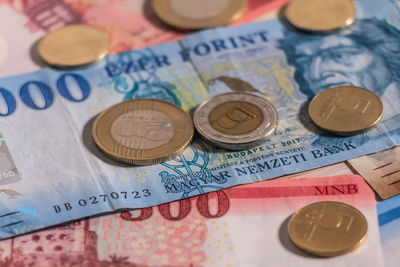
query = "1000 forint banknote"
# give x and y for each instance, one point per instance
(47, 116)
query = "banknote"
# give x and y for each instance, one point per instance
(8, 171)
(129, 24)
(381, 170)
(47, 116)
(239, 226)
(389, 225)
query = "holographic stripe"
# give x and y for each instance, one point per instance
(8, 171)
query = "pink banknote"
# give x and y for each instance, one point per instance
(240, 226)
(130, 24)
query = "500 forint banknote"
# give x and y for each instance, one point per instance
(237, 226)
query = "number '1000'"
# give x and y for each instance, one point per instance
(47, 95)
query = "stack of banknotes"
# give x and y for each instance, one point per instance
(208, 206)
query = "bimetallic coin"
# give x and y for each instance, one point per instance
(194, 14)
(320, 15)
(328, 228)
(236, 121)
(143, 131)
(346, 110)
(73, 46)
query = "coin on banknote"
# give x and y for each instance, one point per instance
(195, 14)
(328, 228)
(320, 15)
(346, 110)
(73, 46)
(236, 120)
(143, 131)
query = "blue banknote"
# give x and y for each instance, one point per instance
(389, 229)
(46, 116)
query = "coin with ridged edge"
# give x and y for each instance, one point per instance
(327, 228)
(236, 121)
(320, 15)
(143, 131)
(195, 14)
(346, 110)
(73, 46)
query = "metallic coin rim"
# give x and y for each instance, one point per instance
(290, 9)
(317, 251)
(235, 142)
(314, 118)
(183, 133)
(163, 10)
(54, 62)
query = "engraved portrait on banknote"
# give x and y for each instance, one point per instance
(366, 54)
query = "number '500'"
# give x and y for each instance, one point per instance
(45, 92)
(184, 209)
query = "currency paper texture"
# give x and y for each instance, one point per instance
(129, 24)
(381, 170)
(239, 226)
(46, 116)
(389, 225)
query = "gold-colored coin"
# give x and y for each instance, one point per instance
(195, 14)
(328, 228)
(73, 46)
(346, 110)
(320, 15)
(143, 131)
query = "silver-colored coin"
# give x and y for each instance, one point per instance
(236, 121)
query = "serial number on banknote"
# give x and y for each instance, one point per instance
(93, 200)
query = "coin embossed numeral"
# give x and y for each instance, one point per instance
(315, 220)
(235, 117)
(360, 106)
(355, 105)
(345, 223)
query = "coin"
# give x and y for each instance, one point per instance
(327, 228)
(236, 121)
(73, 46)
(346, 110)
(143, 131)
(194, 14)
(320, 15)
